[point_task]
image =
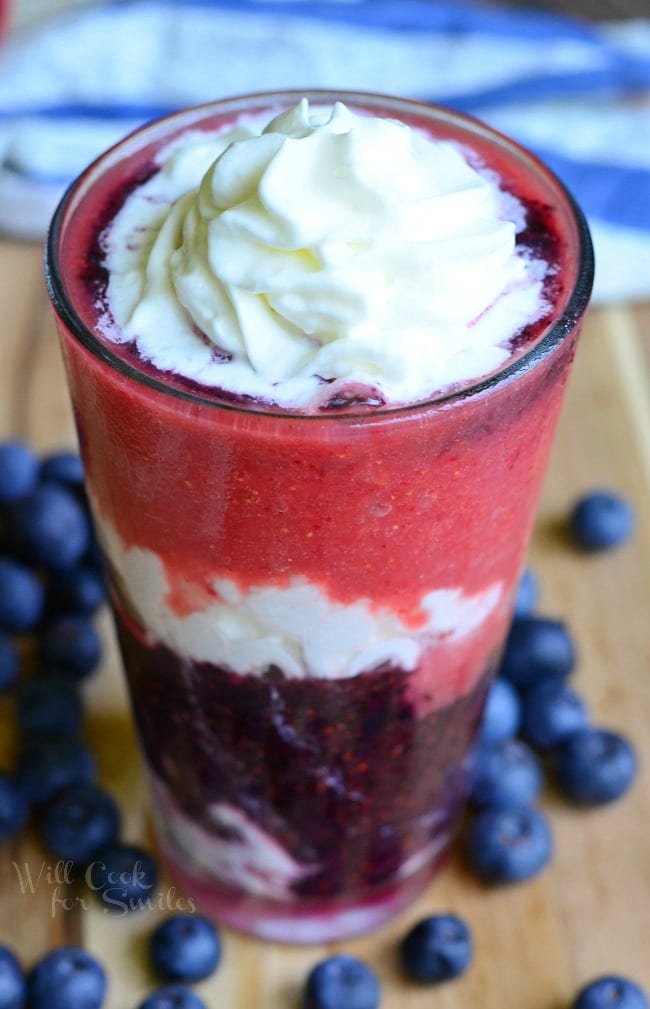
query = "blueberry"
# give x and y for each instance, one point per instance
(527, 594)
(125, 876)
(537, 649)
(341, 982)
(551, 712)
(70, 645)
(21, 597)
(67, 978)
(8, 662)
(81, 590)
(12, 981)
(18, 471)
(13, 809)
(600, 521)
(62, 467)
(79, 821)
(48, 764)
(611, 993)
(508, 845)
(49, 704)
(502, 714)
(94, 556)
(594, 766)
(173, 996)
(506, 773)
(50, 527)
(185, 948)
(438, 948)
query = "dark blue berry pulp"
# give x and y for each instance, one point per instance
(344, 774)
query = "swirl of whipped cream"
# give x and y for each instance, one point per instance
(331, 248)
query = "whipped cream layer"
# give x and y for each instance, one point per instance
(250, 859)
(295, 627)
(324, 253)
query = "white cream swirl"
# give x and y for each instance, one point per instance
(331, 248)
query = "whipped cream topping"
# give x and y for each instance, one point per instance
(327, 249)
(295, 627)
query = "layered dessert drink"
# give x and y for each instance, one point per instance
(317, 346)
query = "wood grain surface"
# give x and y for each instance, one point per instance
(536, 942)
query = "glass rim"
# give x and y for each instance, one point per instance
(555, 334)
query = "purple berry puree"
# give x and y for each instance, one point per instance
(358, 791)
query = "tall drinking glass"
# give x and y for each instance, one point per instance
(310, 607)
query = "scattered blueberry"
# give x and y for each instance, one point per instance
(438, 948)
(94, 557)
(125, 876)
(173, 996)
(611, 993)
(594, 766)
(502, 714)
(551, 712)
(62, 467)
(527, 594)
(508, 845)
(70, 645)
(49, 704)
(13, 809)
(81, 590)
(506, 773)
(12, 981)
(185, 948)
(537, 649)
(50, 527)
(341, 982)
(21, 597)
(79, 821)
(8, 662)
(48, 764)
(67, 978)
(18, 471)
(600, 521)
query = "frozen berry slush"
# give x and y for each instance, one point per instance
(317, 346)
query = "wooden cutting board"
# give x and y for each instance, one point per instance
(589, 913)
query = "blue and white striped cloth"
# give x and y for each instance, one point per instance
(579, 95)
